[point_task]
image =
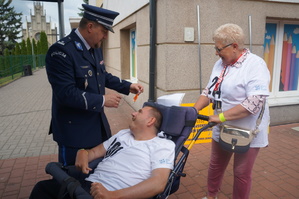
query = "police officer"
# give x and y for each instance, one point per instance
(77, 74)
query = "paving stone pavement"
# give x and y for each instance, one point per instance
(26, 148)
(25, 110)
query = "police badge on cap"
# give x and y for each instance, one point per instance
(100, 15)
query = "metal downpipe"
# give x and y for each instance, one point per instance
(152, 58)
(61, 18)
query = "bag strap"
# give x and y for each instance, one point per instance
(218, 104)
(259, 119)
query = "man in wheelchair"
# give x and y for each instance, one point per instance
(136, 162)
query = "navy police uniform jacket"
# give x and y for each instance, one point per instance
(78, 84)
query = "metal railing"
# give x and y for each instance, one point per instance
(15, 64)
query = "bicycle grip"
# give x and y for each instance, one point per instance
(203, 117)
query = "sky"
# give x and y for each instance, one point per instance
(71, 9)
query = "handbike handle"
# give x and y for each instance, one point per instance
(206, 118)
(203, 117)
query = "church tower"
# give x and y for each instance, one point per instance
(38, 24)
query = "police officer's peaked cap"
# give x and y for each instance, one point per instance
(100, 15)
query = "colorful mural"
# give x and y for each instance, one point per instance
(289, 68)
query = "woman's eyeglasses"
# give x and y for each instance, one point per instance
(220, 49)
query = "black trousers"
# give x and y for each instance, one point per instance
(67, 155)
(49, 189)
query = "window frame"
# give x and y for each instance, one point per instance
(279, 98)
(133, 67)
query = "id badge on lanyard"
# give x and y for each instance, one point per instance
(218, 83)
(217, 91)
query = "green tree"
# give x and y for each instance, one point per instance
(29, 46)
(13, 58)
(17, 49)
(10, 26)
(39, 47)
(44, 42)
(81, 9)
(23, 48)
(34, 46)
(6, 52)
(6, 60)
(16, 59)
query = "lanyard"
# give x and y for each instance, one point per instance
(220, 78)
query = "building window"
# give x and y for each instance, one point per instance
(133, 56)
(281, 53)
(37, 36)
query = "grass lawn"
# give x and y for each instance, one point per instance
(8, 79)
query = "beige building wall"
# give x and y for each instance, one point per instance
(178, 61)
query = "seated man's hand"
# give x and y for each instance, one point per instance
(82, 161)
(98, 191)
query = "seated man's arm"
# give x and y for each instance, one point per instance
(85, 156)
(146, 189)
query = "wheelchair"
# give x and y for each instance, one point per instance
(177, 125)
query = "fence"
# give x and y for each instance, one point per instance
(14, 64)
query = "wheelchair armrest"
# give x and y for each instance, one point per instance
(56, 170)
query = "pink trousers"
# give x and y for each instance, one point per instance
(242, 166)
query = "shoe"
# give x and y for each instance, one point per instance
(207, 197)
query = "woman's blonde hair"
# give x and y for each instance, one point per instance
(229, 33)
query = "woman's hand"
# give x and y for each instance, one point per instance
(214, 118)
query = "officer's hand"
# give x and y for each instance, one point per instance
(112, 100)
(136, 88)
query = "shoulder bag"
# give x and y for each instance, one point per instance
(235, 139)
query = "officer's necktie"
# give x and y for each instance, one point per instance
(91, 50)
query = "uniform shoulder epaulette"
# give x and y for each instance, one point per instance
(64, 41)
(59, 48)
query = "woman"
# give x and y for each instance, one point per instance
(238, 88)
